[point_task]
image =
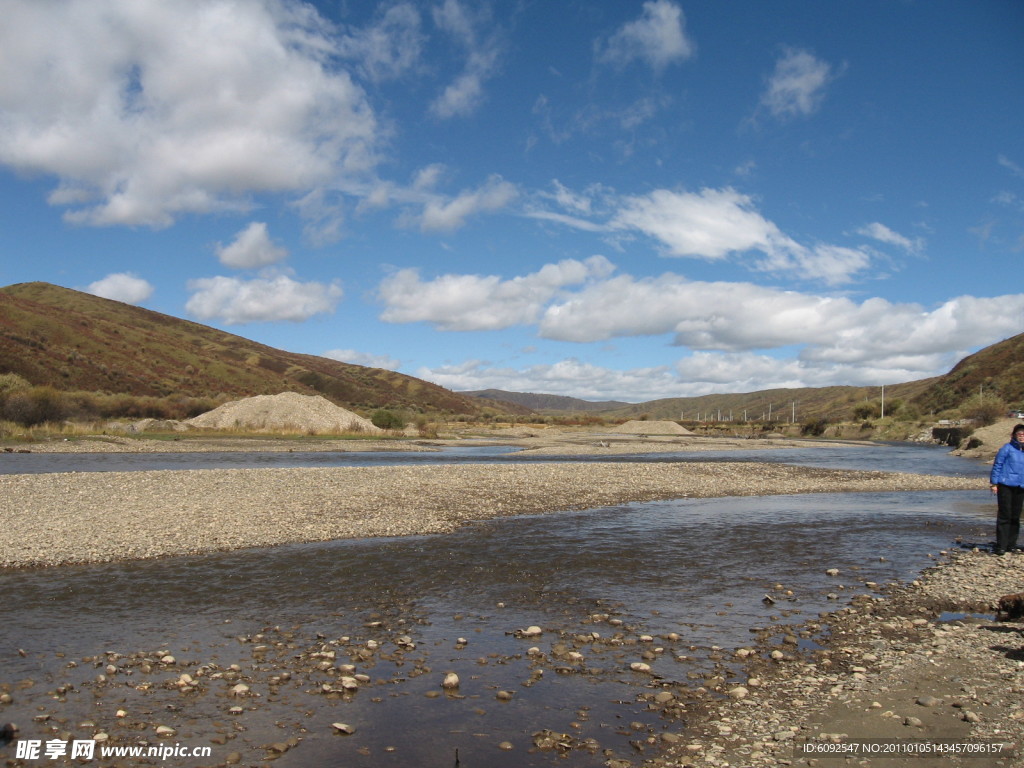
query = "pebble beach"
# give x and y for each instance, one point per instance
(52, 519)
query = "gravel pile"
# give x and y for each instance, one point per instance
(287, 411)
(636, 427)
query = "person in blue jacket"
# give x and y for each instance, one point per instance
(1007, 479)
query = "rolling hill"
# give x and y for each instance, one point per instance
(75, 341)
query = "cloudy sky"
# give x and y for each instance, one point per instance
(610, 199)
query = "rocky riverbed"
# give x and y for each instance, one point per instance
(923, 660)
(52, 519)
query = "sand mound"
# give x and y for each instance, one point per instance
(289, 411)
(651, 428)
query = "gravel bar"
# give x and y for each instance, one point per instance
(53, 519)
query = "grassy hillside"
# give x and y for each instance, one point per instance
(74, 341)
(995, 372)
(809, 403)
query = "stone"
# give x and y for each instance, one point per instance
(451, 681)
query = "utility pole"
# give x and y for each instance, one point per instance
(883, 401)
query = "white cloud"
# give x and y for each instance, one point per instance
(570, 377)
(122, 286)
(444, 214)
(738, 317)
(270, 298)
(185, 107)
(481, 303)
(466, 92)
(838, 340)
(364, 358)
(251, 248)
(717, 372)
(1011, 166)
(658, 38)
(883, 234)
(797, 86)
(390, 47)
(710, 224)
(830, 264)
(702, 373)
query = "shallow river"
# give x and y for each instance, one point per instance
(696, 568)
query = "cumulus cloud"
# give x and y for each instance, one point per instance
(184, 107)
(716, 372)
(270, 298)
(478, 302)
(571, 377)
(122, 286)
(363, 358)
(251, 248)
(657, 38)
(711, 224)
(743, 317)
(701, 373)
(797, 86)
(839, 340)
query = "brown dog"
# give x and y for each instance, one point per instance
(1010, 607)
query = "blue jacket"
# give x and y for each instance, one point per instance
(1008, 467)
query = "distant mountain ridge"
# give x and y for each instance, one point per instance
(75, 341)
(540, 402)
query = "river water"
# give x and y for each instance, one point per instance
(691, 573)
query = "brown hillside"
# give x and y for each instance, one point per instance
(75, 341)
(996, 371)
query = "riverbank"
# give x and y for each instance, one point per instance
(922, 664)
(52, 519)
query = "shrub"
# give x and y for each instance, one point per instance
(37, 405)
(866, 411)
(814, 428)
(12, 382)
(387, 419)
(984, 413)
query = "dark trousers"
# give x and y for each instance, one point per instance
(1010, 498)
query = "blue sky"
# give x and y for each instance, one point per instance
(610, 200)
